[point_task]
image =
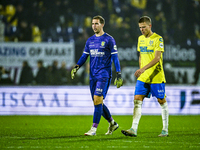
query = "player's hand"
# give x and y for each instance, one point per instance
(139, 72)
(74, 70)
(118, 80)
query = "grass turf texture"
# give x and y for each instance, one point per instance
(64, 132)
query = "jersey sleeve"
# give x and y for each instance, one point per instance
(138, 45)
(159, 45)
(87, 50)
(85, 55)
(112, 46)
(115, 59)
(114, 54)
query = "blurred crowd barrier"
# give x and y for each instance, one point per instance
(55, 33)
(51, 64)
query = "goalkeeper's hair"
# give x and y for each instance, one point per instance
(145, 19)
(100, 18)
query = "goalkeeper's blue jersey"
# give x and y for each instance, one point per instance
(100, 50)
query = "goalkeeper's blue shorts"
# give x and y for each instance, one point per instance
(157, 90)
(99, 87)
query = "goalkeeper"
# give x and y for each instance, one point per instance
(101, 48)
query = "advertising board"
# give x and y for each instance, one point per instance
(76, 100)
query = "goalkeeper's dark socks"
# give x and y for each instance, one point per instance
(97, 115)
(106, 113)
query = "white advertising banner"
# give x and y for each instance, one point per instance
(13, 54)
(76, 100)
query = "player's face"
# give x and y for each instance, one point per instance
(145, 28)
(96, 26)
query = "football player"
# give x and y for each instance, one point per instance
(102, 49)
(150, 75)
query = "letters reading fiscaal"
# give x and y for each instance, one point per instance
(28, 100)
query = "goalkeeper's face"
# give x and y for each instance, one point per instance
(97, 26)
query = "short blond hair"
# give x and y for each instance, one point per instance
(145, 19)
(100, 18)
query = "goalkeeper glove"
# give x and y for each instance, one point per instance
(118, 80)
(74, 70)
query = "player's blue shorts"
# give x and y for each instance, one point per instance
(157, 90)
(99, 87)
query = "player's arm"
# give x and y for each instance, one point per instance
(149, 65)
(139, 61)
(118, 80)
(115, 59)
(81, 61)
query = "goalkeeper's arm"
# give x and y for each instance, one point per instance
(118, 80)
(81, 61)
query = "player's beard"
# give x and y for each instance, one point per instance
(96, 31)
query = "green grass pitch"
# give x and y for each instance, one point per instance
(67, 132)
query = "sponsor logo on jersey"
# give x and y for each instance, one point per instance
(91, 44)
(161, 45)
(96, 53)
(99, 90)
(160, 91)
(141, 41)
(115, 47)
(144, 50)
(161, 40)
